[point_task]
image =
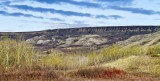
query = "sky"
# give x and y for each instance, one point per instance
(37, 15)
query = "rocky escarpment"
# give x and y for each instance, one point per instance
(89, 37)
(109, 30)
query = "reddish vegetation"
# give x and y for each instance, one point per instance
(112, 73)
(97, 74)
(32, 75)
(100, 73)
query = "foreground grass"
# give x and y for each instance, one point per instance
(109, 74)
(138, 65)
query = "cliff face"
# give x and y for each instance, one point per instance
(90, 37)
(106, 30)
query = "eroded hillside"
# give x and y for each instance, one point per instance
(90, 37)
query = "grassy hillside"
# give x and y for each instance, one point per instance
(19, 61)
(138, 65)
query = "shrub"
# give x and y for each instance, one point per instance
(88, 72)
(15, 53)
(112, 73)
(155, 55)
(48, 52)
(99, 72)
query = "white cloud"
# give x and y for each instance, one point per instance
(9, 23)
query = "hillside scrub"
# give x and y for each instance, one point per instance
(114, 52)
(108, 54)
(18, 59)
(15, 54)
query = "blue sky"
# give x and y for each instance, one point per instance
(36, 15)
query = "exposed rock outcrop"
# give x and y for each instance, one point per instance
(89, 37)
(68, 41)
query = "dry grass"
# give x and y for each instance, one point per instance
(31, 75)
(138, 65)
(19, 62)
(74, 61)
(108, 74)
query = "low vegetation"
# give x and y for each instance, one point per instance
(18, 60)
(73, 61)
(99, 72)
(138, 65)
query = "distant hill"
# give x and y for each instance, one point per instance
(86, 37)
(145, 40)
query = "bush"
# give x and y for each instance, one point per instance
(15, 53)
(155, 55)
(99, 72)
(48, 52)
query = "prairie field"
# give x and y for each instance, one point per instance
(19, 61)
